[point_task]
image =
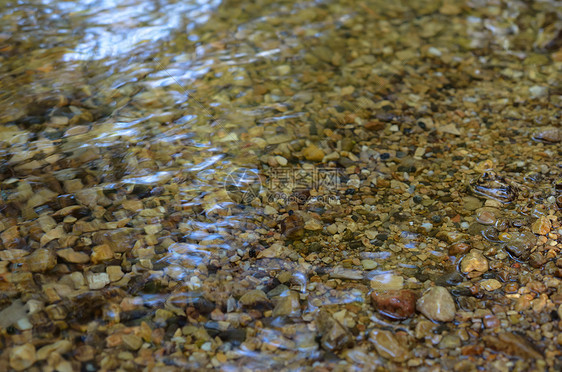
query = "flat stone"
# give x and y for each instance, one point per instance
(437, 304)
(22, 357)
(334, 336)
(253, 298)
(132, 342)
(474, 263)
(101, 253)
(46, 222)
(369, 264)
(70, 255)
(114, 272)
(471, 203)
(97, 280)
(541, 226)
(513, 344)
(61, 347)
(313, 153)
(490, 284)
(450, 342)
(40, 260)
(10, 237)
(399, 304)
(287, 304)
(87, 197)
(388, 346)
(383, 282)
(342, 273)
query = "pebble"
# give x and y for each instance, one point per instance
(383, 282)
(450, 342)
(101, 253)
(343, 273)
(537, 91)
(490, 284)
(313, 224)
(550, 134)
(281, 160)
(115, 273)
(388, 346)
(10, 237)
(70, 255)
(424, 328)
(541, 226)
(471, 203)
(474, 264)
(334, 336)
(22, 357)
(519, 244)
(399, 304)
(287, 304)
(459, 248)
(254, 297)
(313, 153)
(437, 304)
(486, 216)
(512, 344)
(40, 260)
(332, 229)
(369, 264)
(61, 347)
(132, 342)
(97, 280)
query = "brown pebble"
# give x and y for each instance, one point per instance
(458, 248)
(511, 287)
(491, 321)
(395, 304)
(541, 226)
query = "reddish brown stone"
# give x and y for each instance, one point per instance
(374, 125)
(459, 248)
(472, 350)
(395, 304)
(491, 321)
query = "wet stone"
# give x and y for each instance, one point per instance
(334, 336)
(491, 185)
(486, 216)
(490, 284)
(388, 346)
(550, 134)
(70, 255)
(253, 298)
(287, 304)
(513, 344)
(22, 357)
(450, 342)
(383, 282)
(395, 304)
(437, 304)
(313, 153)
(541, 226)
(132, 342)
(519, 244)
(40, 260)
(474, 264)
(459, 248)
(97, 280)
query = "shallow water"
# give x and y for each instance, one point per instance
(264, 185)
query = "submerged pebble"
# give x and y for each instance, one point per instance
(437, 304)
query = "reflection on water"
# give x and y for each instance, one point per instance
(233, 185)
